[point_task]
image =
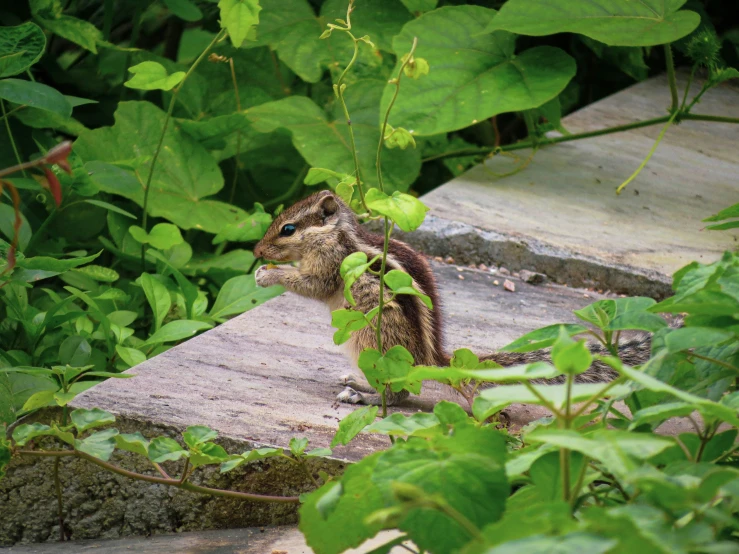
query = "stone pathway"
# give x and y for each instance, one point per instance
(273, 373)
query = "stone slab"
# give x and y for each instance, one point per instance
(253, 540)
(560, 215)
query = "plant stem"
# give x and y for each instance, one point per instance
(671, 78)
(463, 522)
(108, 6)
(161, 480)
(596, 396)
(650, 154)
(21, 165)
(564, 453)
(172, 101)
(715, 118)
(40, 231)
(381, 142)
(547, 404)
(11, 112)
(687, 88)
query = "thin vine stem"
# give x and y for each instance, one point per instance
(154, 158)
(162, 480)
(238, 133)
(12, 140)
(671, 78)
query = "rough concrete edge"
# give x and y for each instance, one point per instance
(471, 245)
(99, 504)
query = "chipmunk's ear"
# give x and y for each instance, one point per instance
(329, 206)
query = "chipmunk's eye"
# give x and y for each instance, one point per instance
(287, 230)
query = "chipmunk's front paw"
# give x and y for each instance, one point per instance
(350, 396)
(266, 276)
(349, 380)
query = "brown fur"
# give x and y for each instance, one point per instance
(326, 232)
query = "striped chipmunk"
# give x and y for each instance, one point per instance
(319, 231)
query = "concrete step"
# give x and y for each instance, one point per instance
(560, 215)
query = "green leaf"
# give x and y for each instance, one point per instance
(317, 175)
(464, 470)
(552, 518)
(161, 236)
(325, 142)
(614, 22)
(391, 369)
(351, 425)
(133, 442)
(84, 419)
(158, 298)
(570, 357)
(660, 413)
(54, 265)
(491, 401)
(240, 294)
(398, 138)
(175, 331)
(473, 76)
(75, 30)
(184, 9)
(342, 524)
(164, 449)
(420, 6)
(7, 220)
(131, 356)
(297, 446)
(184, 175)
(99, 273)
(238, 17)
(402, 283)
(75, 351)
(250, 229)
(28, 431)
(250, 456)
(347, 321)
(567, 544)
(694, 337)
(153, 76)
(99, 445)
(420, 425)
(39, 400)
(198, 434)
(643, 321)
(20, 47)
(405, 210)
(208, 453)
(379, 19)
(35, 95)
(542, 338)
(731, 211)
(352, 268)
(64, 398)
(318, 453)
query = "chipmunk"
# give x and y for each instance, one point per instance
(319, 232)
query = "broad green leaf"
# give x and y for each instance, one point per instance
(352, 268)
(614, 22)
(347, 321)
(542, 338)
(317, 175)
(161, 236)
(472, 76)
(318, 453)
(420, 424)
(28, 431)
(175, 331)
(240, 294)
(7, 220)
(250, 456)
(464, 470)
(566, 544)
(392, 368)
(727, 213)
(420, 6)
(74, 30)
(36, 95)
(20, 47)
(75, 351)
(185, 173)
(407, 211)
(250, 229)
(84, 419)
(164, 449)
(99, 445)
(351, 425)
(198, 434)
(644, 321)
(660, 413)
(398, 138)
(158, 298)
(402, 283)
(239, 17)
(510, 374)
(64, 398)
(133, 442)
(379, 19)
(694, 337)
(54, 265)
(552, 518)
(184, 9)
(342, 525)
(39, 400)
(207, 453)
(99, 273)
(491, 401)
(324, 141)
(570, 357)
(153, 76)
(131, 356)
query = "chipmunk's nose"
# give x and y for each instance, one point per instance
(259, 250)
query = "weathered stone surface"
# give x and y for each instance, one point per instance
(560, 215)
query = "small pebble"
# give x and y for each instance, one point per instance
(504, 271)
(449, 260)
(496, 282)
(532, 277)
(509, 286)
(460, 268)
(438, 259)
(483, 267)
(461, 277)
(586, 296)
